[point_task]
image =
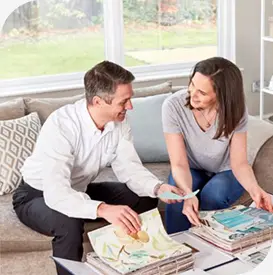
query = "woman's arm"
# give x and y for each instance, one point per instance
(244, 172)
(239, 164)
(181, 174)
(179, 162)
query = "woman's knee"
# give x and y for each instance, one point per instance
(213, 200)
(221, 191)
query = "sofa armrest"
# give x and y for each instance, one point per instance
(263, 170)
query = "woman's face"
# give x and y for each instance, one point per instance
(202, 95)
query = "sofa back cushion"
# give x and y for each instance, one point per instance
(12, 109)
(45, 106)
(162, 88)
(17, 141)
(146, 125)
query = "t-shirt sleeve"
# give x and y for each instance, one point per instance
(242, 126)
(169, 118)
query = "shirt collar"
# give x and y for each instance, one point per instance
(89, 122)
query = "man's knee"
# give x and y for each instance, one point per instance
(69, 227)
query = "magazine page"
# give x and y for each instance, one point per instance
(126, 253)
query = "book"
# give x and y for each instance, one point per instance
(84, 268)
(255, 255)
(236, 228)
(149, 251)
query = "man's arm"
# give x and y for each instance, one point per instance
(128, 167)
(57, 144)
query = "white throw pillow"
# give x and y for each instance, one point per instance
(17, 141)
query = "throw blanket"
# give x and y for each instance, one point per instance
(259, 131)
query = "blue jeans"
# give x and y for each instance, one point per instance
(217, 191)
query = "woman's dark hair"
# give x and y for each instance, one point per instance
(227, 83)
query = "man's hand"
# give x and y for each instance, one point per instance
(121, 216)
(190, 209)
(167, 187)
(262, 199)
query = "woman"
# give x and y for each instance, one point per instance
(205, 131)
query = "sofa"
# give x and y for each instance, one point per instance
(24, 251)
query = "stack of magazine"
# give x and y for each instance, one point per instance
(235, 229)
(147, 252)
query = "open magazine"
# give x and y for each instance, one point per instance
(236, 228)
(147, 252)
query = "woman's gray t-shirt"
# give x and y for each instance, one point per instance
(204, 152)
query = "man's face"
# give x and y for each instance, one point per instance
(121, 102)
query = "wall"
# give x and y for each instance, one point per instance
(248, 21)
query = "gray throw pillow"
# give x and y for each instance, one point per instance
(146, 123)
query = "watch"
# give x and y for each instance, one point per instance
(156, 188)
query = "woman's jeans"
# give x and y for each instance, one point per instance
(217, 191)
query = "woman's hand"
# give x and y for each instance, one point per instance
(190, 209)
(169, 188)
(262, 199)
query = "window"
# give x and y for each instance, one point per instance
(169, 31)
(50, 37)
(48, 44)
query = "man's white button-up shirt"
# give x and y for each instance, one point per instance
(69, 154)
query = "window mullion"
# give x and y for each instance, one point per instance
(113, 31)
(226, 29)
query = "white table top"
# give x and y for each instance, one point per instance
(208, 257)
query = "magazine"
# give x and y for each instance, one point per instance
(149, 247)
(236, 228)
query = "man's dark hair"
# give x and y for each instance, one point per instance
(103, 79)
(227, 82)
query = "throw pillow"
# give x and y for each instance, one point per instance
(17, 141)
(146, 123)
(12, 109)
(162, 88)
(45, 106)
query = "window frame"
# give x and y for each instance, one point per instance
(114, 51)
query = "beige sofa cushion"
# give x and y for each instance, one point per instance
(12, 109)
(45, 106)
(162, 88)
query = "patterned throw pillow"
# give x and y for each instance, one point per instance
(17, 141)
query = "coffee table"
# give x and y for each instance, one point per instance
(210, 259)
(206, 257)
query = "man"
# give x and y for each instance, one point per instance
(75, 143)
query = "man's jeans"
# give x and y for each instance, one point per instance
(217, 191)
